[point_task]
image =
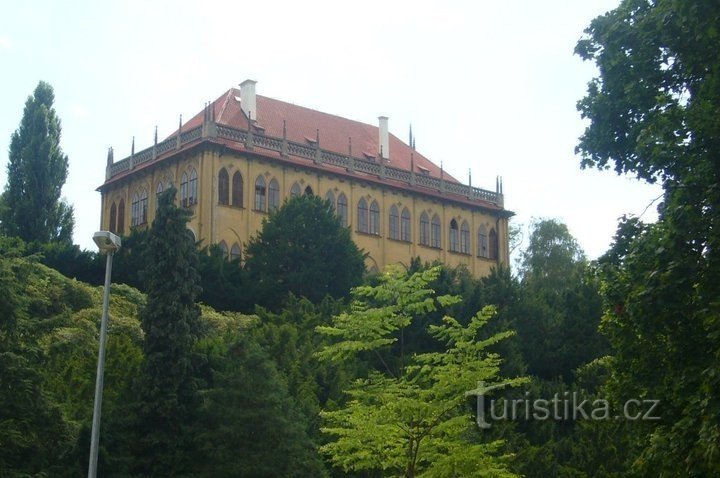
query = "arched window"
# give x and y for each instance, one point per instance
(394, 223)
(483, 242)
(143, 206)
(235, 253)
(113, 217)
(362, 216)
(191, 236)
(295, 190)
(224, 249)
(454, 232)
(435, 231)
(342, 209)
(465, 238)
(405, 226)
(184, 190)
(237, 189)
(374, 218)
(223, 187)
(424, 229)
(260, 193)
(330, 197)
(121, 217)
(158, 192)
(273, 195)
(308, 191)
(193, 194)
(493, 239)
(135, 210)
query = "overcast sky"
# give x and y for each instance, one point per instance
(487, 86)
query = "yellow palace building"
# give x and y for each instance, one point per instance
(244, 154)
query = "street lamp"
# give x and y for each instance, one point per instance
(108, 243)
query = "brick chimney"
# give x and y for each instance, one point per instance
(247, 98)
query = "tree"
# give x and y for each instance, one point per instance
(171, 322)
(409, 417)
(560, 305)
(653, 112)
(304, 249)
(32, 208)
(248, 424)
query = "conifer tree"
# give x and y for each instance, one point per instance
(171, 322)
(37, 170)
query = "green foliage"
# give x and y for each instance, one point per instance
(303, 248)
(654, 113)
(248, 424)
(31, 205)
(410, 416)
(170, 321)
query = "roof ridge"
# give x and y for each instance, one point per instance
(224, 105)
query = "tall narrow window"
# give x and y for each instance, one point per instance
(308, 191)
(493, 239)
(237, 189)
(362, 216)
(424, 229)
(223, 187)
(394, 223)
(121, 217)
(273, 195)
(135, 210)
(374, 218)
(184, 190)
(295, 190)
(342, 209)
(143, 206)
(235, 252)
(465, 238)
(260, 193)
(454, 232)
(223, 249)
(330, 197)
(483, 242)
(158, 192)
(405, 225)
(193, 193)
(113, 217)
(435, 231)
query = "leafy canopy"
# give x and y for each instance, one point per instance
(304, 249)
(412, 420)
(653, 112)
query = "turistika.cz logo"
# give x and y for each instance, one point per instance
(565, 406)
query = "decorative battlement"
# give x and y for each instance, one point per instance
(253, 139)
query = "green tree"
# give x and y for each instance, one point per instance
(653, 112)
(303, 248)
(32, 208)
(410, 416)
(560, 304)
(170, 320)
(248, 425)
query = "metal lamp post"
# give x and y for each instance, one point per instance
(108, 243)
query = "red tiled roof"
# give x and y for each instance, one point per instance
(304, 124)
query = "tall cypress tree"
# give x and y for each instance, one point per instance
(32, 208)
(171, 322)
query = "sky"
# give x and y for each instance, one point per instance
(489, 87)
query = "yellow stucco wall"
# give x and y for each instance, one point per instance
(213, 222)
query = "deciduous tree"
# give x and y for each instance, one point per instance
(304, 249)
(653, 112)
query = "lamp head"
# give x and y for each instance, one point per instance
(107, 241)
